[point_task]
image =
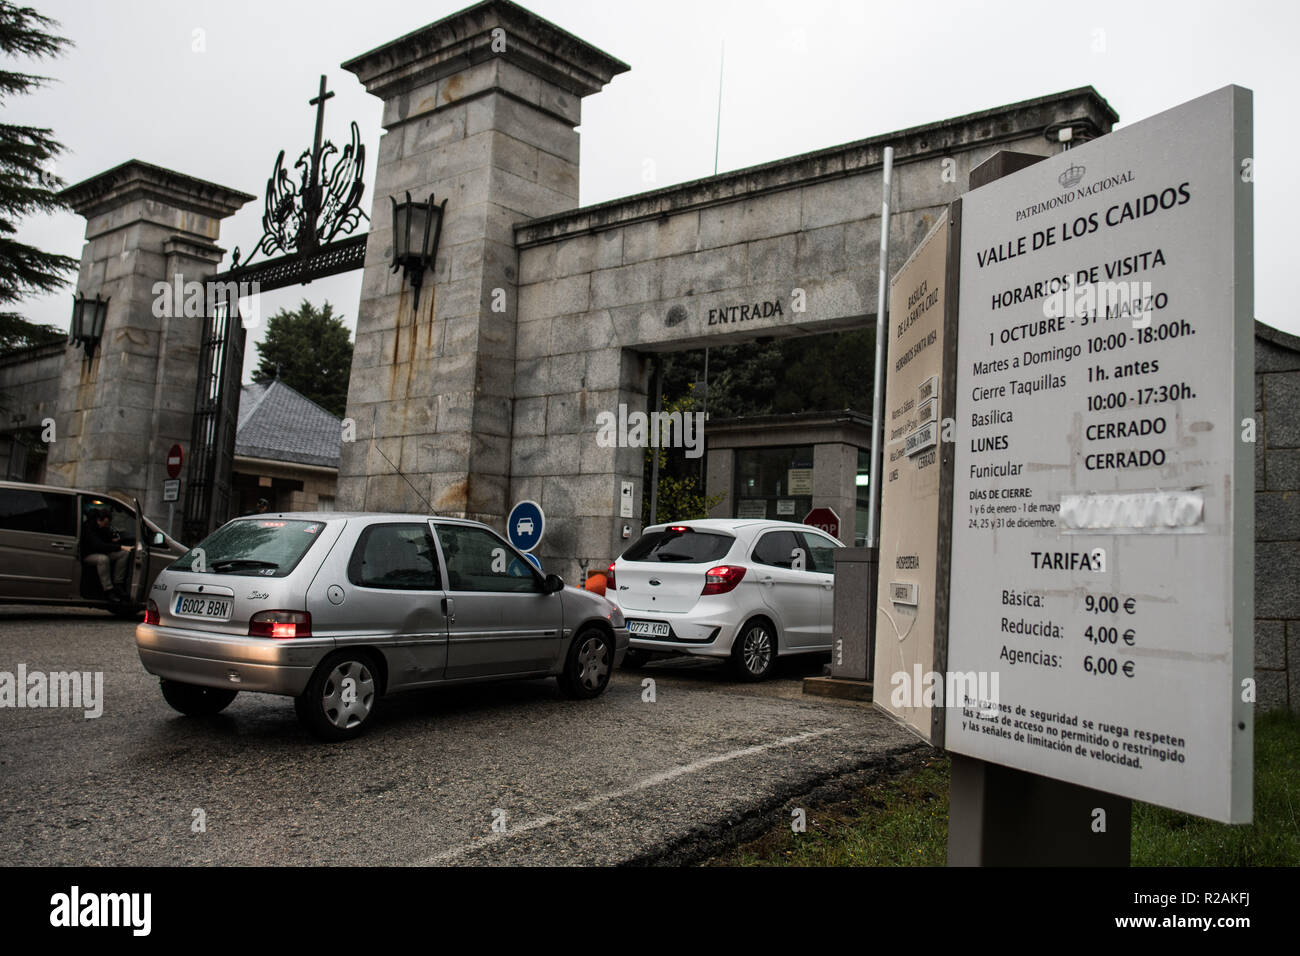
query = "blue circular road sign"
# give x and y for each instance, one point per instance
(534, 559)
(525, 524)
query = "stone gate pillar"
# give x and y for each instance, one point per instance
(480, 110)
(122, 408)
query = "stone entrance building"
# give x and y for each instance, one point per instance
(544, 314)
(540, 315)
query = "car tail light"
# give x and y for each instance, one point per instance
(280, 624)
(609, 577)
(722, 579)
(680, 528)
(151, 612)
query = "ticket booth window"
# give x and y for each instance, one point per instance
(863, 486)
(774, 483)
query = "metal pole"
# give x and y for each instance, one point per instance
(706, 383)
(882, 338)
(704, 458)
(717, 135)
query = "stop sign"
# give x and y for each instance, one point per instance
(174, 459)
(825, 519)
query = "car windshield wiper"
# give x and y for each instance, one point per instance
(241, 564)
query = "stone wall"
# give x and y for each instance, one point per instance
(602, 286)
(29, 395)
(1277, 519)
(29, 384)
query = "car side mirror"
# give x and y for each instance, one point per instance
(553, 583)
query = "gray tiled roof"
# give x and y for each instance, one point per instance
(279, 424)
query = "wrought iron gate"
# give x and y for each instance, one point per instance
(310, 222)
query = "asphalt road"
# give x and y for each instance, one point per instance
(616, 780)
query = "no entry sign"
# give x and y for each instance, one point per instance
(174, 459)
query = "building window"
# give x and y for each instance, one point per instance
(864, 498)
(774, 483)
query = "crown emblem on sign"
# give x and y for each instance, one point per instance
(1072, 176)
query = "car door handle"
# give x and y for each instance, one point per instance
(61, 545)
(829, 585)
(769, 581)
(449, 610)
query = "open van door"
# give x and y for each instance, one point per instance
(139, 557)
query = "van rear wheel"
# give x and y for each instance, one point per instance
(194, 701)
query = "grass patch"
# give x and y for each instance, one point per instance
(1167, 838)
(903, 820)
(899, 821)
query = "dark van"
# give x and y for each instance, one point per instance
(40, 559)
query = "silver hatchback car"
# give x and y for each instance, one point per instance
(336, 610)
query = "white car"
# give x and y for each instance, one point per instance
(747, 590)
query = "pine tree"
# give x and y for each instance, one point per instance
(27, 181)
(309, 350)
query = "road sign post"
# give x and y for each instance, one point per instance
(525, 525)
(171, 487)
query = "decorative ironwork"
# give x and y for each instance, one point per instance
(345, 255)
(324, 203)
(311, 225)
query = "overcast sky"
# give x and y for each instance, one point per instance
(215, 88)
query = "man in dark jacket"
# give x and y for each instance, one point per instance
(102, 550)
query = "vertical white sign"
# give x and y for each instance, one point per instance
(911, 492)
(1103, 494)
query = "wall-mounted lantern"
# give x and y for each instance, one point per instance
(88, 317)
(1071, 133)
(416, 229)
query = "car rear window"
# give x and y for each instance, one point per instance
(262, 547)
(682, 547)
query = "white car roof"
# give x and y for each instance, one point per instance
(733, 525)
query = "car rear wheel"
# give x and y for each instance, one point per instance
(753, 656)
(340, 698)
(588, 666)
(194, 701)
